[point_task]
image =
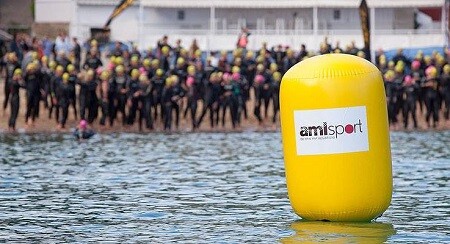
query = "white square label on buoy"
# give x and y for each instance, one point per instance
(329, 131)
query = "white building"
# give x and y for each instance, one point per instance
(216, 23)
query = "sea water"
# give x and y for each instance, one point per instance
(200, 188)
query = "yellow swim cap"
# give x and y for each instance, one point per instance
(191, 69)
(104, 75)
(65, 77)
(135, 74)
(70, 68)
(120, 69)
(17, 72)
(159, 72)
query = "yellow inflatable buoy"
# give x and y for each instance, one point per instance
(336, 139)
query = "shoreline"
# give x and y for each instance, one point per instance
(44, 125)
(49, 126)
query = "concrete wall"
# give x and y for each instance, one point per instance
(15, 13)
(58, 11)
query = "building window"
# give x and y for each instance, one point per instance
(337, 14)
(180, 14)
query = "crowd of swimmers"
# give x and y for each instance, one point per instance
(165, 84)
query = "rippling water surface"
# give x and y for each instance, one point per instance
(199, 188)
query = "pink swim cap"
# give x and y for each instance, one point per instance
(110, 66)
(259, 79)
(415, 64)
(190, 81)
(236, 76)
(408, 80)
(226, 76)
(83, 124)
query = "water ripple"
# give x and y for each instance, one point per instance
(199, 188)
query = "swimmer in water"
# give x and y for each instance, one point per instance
(82, 132)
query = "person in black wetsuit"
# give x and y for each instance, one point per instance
(133, 96)
(178, 94)
(145, 103)
(229, 100)
(104, 93)
(121, 80)
(410, 94)
(244, 95)
(398, 80)
(82, 132)
(11, 65)
(88, 99)
(211, 101)
(261, 86)
(63, 96)
(55, 80)
(431, 87)
(92, 60)
(445, 89)
(32, 82)
(193, 84)
(171, 97)
(157, 84)
(73, 80)
(15, 83)
(417, 75)
(391, 96)
(276, 80)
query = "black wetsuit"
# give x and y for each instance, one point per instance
(431, 100)
(229, 101)
(47, 75)
(32, 82)
(121, 96)
(193, 95)
(244, 97)
(73, 80)
(88, 100)
(145, 101)
(55, 80)
(92, 62)
(170, 98)
(63, 95)
(14, 87)
(392, 91)
(398, 107)
(211, 103)
(83, 134)
(410, 98)
(156, 95)
(133, 88)
(103, 102)
(445, 91)
(275, 99)
(10, 68)
(418, 76)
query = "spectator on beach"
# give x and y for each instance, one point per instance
(62, 43)
(77, 52)
(242, 41)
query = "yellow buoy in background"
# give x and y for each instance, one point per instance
(336, 139)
